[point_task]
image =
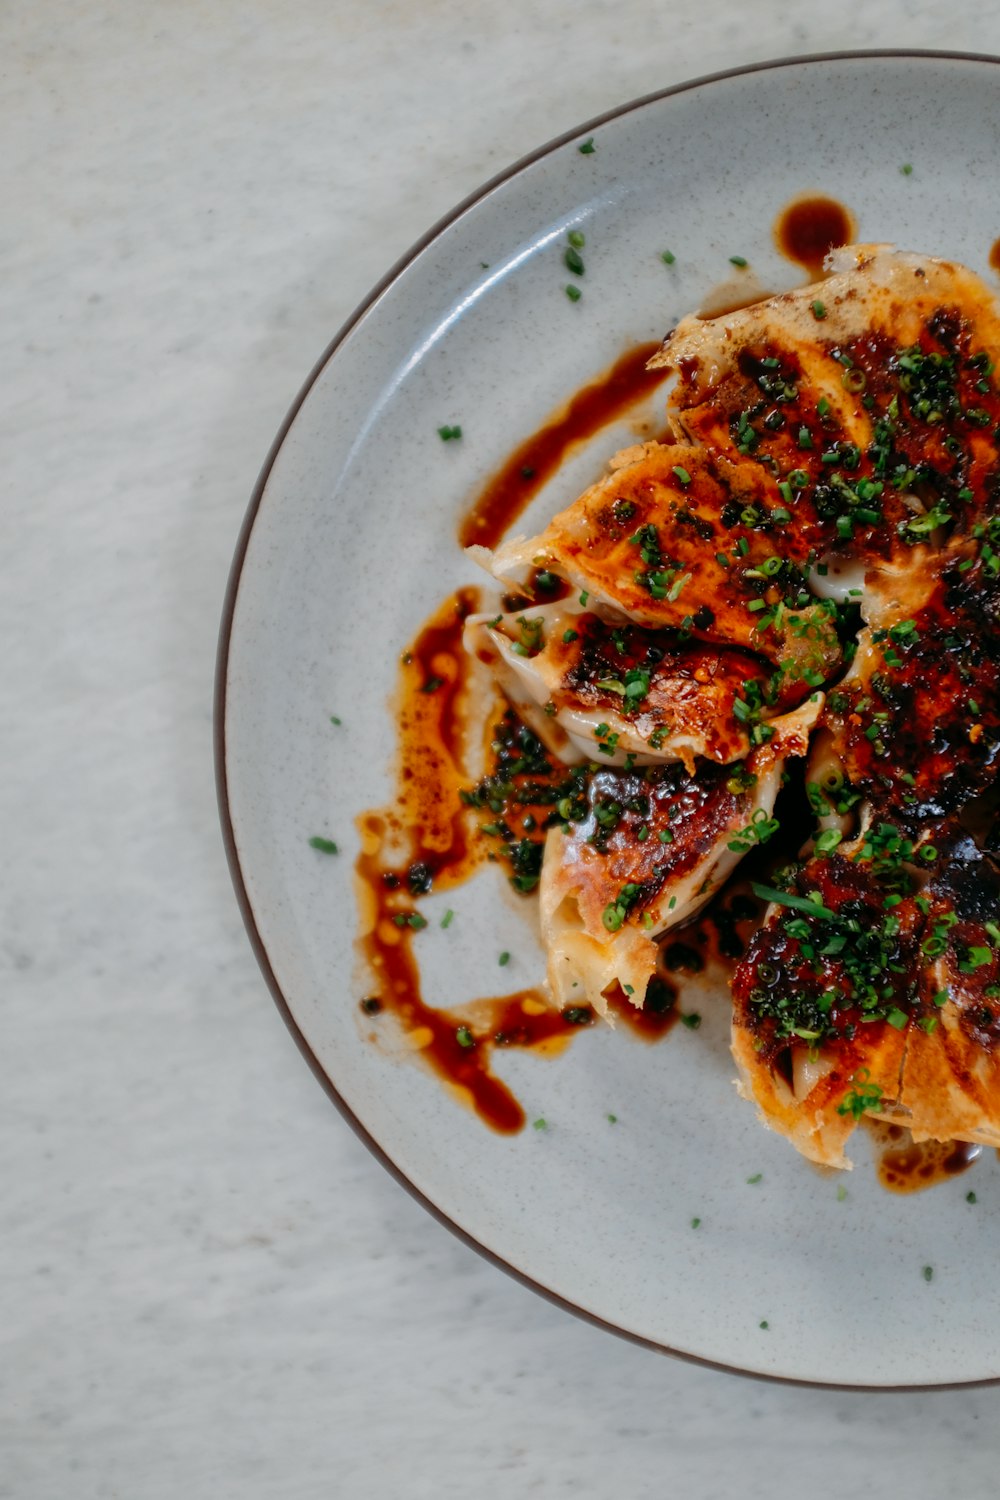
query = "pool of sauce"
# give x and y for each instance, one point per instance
(995, 255)
(533, 463)
(904, 1165)
(809, 227)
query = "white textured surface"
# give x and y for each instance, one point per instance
(209, 1287)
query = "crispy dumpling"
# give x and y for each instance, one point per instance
(872, 387)
(823, 996)
(916, 722)
(591, 690)
(650, 852)
(669, 541)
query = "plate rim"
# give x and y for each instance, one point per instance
(257, 944)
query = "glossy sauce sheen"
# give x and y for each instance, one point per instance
(907, 1166)
(810, 227)
(430, 839)
(537, 459)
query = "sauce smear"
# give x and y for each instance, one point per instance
(995, 255)
(904, 1165)
(432, 838)
(505, 496)
(810, 227)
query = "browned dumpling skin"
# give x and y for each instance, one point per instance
(916, 723)
(650, 852)
(876, 388)
(822, 1002)
(619, 692)
(834, 473)
(668, 541)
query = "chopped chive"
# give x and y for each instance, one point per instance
(587, 148)
(335, 720)
(576, 239)
(763, 1323)
(574, 261)
(682, 474)
(570, 635)
(464, 1037)
(448, 918)
(970, 1198)
(325, 846)
(447, 434)
(540, 1125)
(818, 311)
(695, 1223)
(668, 257)
(757, 1177)
(841, 1193)
(692, 1020)
(788, 898)
(738, 260)
(573, 292)
(504, 959)
(612, 1119)
(906, 169)
(928, 1273)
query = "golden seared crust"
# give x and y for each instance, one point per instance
(803, 1100)
(648, 853)
(615, 691)
(822, 539)
(823, 996)
(668, 541)
(876, 377)
(916, 723)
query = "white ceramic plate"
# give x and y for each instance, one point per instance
(350, 542)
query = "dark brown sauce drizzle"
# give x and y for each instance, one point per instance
(995, 255)
(505, 496)
(428, 839)
(904, 1165)
(808, 228)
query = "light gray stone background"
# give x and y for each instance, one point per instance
(208, 1288)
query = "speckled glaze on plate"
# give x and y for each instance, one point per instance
(349, 543)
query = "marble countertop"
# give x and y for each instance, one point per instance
(209, 1287)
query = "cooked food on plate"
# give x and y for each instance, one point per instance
(777, 633)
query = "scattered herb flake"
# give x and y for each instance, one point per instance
(325, 846)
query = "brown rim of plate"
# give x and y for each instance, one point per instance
(222, 665)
